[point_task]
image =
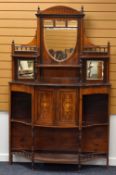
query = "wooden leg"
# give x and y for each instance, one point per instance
(33, 148)
(79, 167)
(10, 158)
(32, 164)
(79, 150)
(107, 161)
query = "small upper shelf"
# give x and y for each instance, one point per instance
(96, 51)
(24, 50)
(59, 65)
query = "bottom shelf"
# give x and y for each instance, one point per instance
(57, 158)
(60, 158)
(84, 157)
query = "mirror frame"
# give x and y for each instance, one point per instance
(84, 73)
(60, 55)
(94, 77)
(54, 13)
(26, 78)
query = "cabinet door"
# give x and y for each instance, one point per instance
(67, 107)
(45, 106)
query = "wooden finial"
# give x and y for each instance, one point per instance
(38, 10)
(13, 42)
(13, 46)
(108, 45)
(82, 9)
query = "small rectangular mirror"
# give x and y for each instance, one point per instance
(25, 69)
(95, 70)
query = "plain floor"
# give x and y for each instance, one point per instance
(51, 169)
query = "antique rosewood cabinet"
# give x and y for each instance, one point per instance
(59, 95)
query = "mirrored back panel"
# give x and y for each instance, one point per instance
(25, 69)
(94, 70)
(60, 38)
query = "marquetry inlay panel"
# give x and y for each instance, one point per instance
(45, 107)
(67, 106)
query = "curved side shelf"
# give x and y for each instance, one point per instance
(57, 126)
(84, 157)
(93, 125)
(25, 122)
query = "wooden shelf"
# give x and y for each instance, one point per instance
(28, 122)
(60, 27)
(25, 55)
(56, 126)
(22, 121)
(20, 150)
(57, 158)
(84, 157)
(60, 158)
(59, 65)
(94, 124)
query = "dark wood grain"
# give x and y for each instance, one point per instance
(60, 116)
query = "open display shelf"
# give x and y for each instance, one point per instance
(59, 94)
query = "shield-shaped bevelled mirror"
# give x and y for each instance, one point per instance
(25, 69)
(60, 38)
(95, 70)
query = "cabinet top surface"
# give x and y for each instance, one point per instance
(57, 84)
